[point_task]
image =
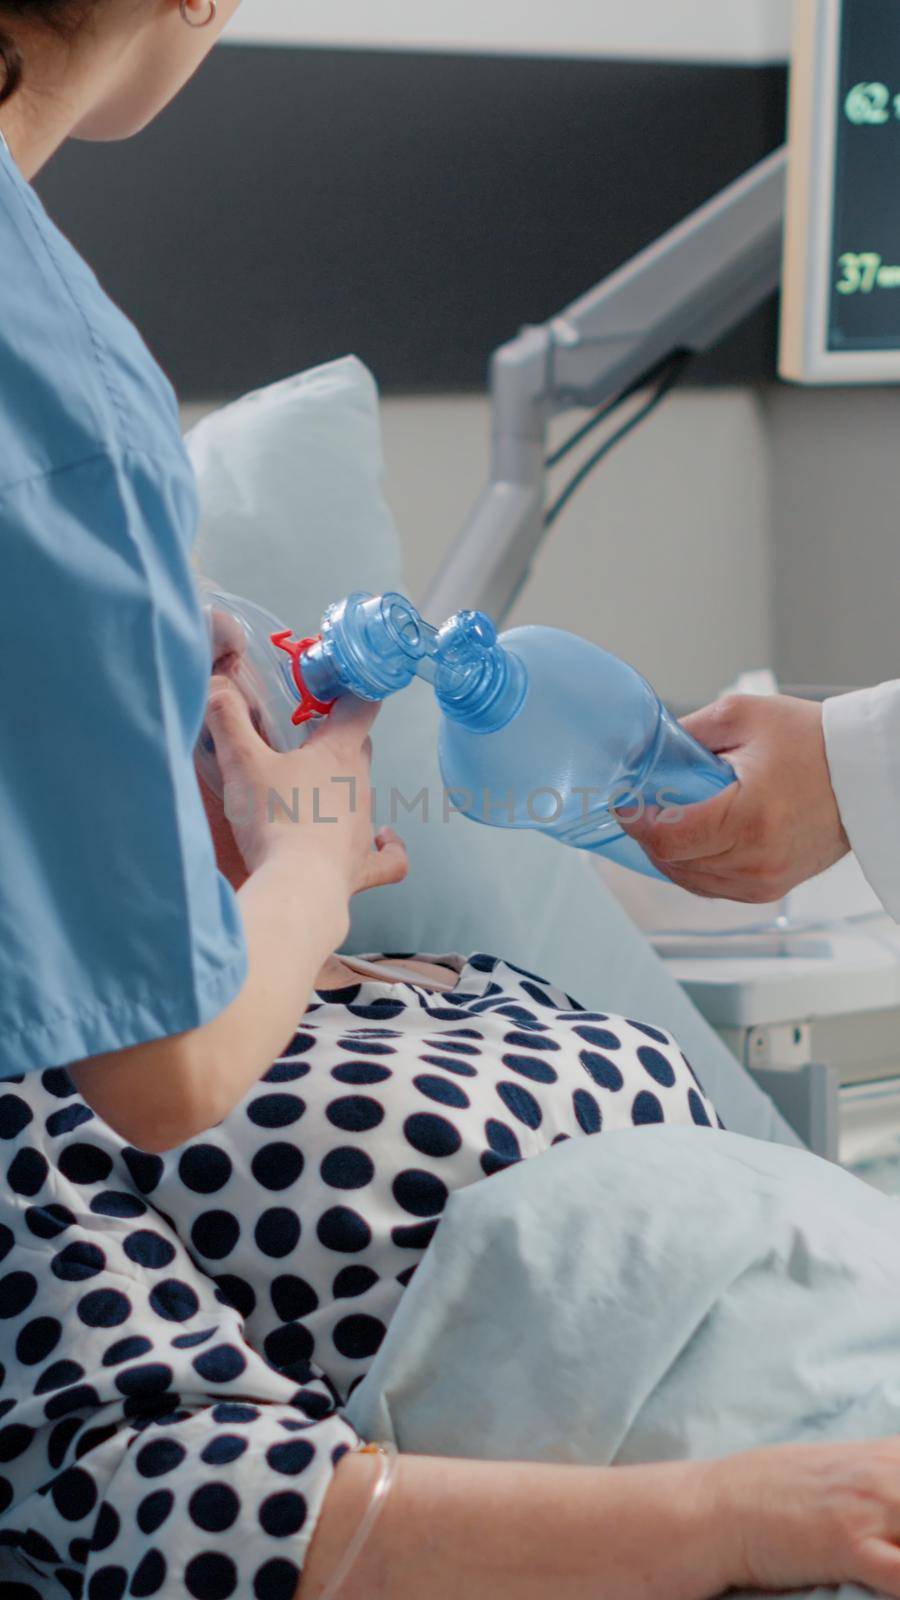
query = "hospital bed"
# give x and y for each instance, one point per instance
(511, 892)
(306, 455)
(815, 1022)
(516, 893)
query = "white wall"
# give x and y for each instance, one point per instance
(836, 533)
(710, 30)
(663, 556)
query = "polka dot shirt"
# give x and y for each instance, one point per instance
(179, 1333)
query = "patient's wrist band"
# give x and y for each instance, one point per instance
(388, 1452)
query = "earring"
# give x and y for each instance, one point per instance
(186, 16)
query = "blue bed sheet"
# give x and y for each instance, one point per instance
(647, 1295)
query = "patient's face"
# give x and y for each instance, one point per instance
(229, 860)
(228, 857)
(228, 644)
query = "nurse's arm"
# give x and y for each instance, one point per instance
(159, 1094)
(295, 911)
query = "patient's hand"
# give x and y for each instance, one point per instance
(811, 1514)
(776, 827)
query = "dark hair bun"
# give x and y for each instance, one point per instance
(10, 65)
(64, 17)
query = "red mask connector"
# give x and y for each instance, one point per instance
(296, 648)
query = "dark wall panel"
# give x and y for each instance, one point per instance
(293, 205)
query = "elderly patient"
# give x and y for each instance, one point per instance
(182, 1327)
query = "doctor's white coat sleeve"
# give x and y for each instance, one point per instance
(862, 743)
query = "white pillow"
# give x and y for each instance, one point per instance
(293, 511)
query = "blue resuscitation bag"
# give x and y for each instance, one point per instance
(540, 729)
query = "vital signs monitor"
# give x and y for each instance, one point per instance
(841, 284)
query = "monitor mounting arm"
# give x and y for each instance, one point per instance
(684, 292)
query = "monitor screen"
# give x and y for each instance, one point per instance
(841, 291)
(865, 293)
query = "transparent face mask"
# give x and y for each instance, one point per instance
(240, 645)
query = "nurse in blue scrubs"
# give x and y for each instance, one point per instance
(124, 955)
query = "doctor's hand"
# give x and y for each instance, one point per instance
(774, 828)
(311, 805)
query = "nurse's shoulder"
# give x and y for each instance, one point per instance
(76, 379)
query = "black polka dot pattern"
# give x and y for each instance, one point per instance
(178, 1332)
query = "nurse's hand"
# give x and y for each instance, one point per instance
(776, 827)
(314, 802)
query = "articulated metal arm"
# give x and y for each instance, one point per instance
(685, 292)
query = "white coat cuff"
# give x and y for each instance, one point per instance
(862, 743)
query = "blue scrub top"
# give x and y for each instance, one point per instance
(115, 925)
